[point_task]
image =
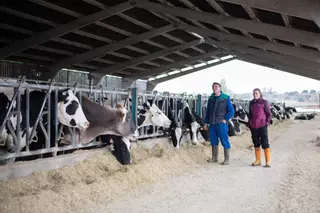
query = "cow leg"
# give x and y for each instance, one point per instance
(10, 144)
(194, 127)
(176, 135)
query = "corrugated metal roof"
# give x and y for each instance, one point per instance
(113, 37)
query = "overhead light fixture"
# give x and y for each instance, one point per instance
(186, 69)
(161, 76)
(226, 57)
(174, 72)
(213, 61)
(199, 65)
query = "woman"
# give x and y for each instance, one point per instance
(259, 119)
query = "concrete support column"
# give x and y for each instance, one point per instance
(151, 85)
(96, 78)
(127, 83)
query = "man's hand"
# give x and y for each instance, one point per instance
(205, 127)
(224, 121)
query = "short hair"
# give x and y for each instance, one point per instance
(216, 84)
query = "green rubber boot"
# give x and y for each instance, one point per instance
(215, 152)
(226, 157)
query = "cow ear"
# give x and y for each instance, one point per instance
(149, 102)
(146, 106)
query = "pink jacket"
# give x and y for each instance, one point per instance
(259, 113)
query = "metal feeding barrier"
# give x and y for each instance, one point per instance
(47, 122)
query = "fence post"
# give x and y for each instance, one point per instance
(134, 105)
(199, 107)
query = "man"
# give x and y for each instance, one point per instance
(219, 112)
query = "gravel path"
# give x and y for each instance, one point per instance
(292, 184)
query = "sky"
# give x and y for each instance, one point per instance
(241, 77)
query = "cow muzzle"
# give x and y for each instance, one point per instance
(85, 125)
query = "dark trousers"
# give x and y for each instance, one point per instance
(260, 137)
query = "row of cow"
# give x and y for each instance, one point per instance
(82, 120)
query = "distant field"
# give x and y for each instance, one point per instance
(303, 104)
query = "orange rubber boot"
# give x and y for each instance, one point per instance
(258, 157)
(267, 155)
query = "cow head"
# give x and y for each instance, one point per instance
(123, 112)
(154, 116)
(239, 112)
(70, 112)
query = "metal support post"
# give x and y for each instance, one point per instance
(134, 105)
(199, 107)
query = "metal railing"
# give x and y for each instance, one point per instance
(52, 131)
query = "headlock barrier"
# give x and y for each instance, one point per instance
(22, 126)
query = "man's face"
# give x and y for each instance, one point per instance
(216, 88)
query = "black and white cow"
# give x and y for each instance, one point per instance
(188, 120)
(106, 123)
(307, 116)
(240, 117)
(103, 120)
(279, 112)
(290, 110)
(69, 113)
(146, 115)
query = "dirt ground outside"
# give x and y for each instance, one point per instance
(163, 179)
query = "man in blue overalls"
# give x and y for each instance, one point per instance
(219, 112)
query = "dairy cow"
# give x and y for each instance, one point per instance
(279, 112)
(103, 120)
(184, 114)
(307, 116)
(115, 124)
(290, 110)
(69, 113)
(240, 117)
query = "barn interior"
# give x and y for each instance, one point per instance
(156, 40)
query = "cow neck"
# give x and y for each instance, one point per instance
(97, 114)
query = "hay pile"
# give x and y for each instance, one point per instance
(96, 180)
(100, 179)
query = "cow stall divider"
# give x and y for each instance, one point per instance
(132, 99)
(49, 129)
(15, 100)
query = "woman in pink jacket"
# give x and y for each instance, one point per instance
(259, 119)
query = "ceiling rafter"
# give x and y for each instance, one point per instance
(109, 48)
(301, 53)
(166, 68)
(78, 15)
(217, 7)
(142, 59)
(314, 66)
(277, 65)
(79, 32)
(110, 70)
(182, 73)
(303, 9)
(274, 31)
(62, 29)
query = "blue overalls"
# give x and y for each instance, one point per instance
(219, 108)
